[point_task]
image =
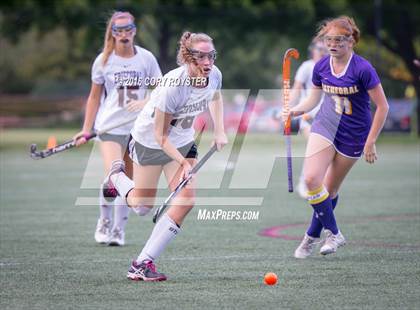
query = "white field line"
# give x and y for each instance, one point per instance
(49, 261)
(199, 201)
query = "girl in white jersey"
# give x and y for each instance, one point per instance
(117, 93)
(300, 90)
(163, 141)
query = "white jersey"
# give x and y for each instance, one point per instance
(304, 76)
(184, 102)
(123, 80)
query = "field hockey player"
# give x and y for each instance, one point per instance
(343, 129)
(117, 94)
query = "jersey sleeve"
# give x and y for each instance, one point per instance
(219, 84)
(316, 78)
(167, 99)
(97, 71)
(369, 77)
(154, 69)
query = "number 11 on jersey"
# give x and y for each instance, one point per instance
(342, 104)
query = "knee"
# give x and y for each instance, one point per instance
(138, 198)
(184, 202)
(312, 182)
(187, 202)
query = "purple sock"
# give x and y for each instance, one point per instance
(325, 214)
(334, 201)
(315, 228)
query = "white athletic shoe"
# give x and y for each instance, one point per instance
(332, 242)
(117, 237)
(306, 247)
(103, 231)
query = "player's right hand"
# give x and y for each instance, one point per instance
(220, 140)
(80, 137)
(136, 105)
(186, 170)
(307, 117)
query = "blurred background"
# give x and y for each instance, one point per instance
(47, 49)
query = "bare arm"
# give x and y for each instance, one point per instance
(137, 105)
(92, 106)
(295, 93)
(216, 112)
(309, 102)
(305, 105)
(378, 97)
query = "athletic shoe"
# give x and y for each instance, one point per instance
(306, 247)
(332, 242)
(103, 231)
(108, 189)
(145, 271)
(117, 237)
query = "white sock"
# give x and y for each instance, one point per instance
(122, 183)
(302, 178)
(105, 208)
(120, 213)
(165, 230)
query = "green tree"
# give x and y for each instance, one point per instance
(395, 25)
(250, 35)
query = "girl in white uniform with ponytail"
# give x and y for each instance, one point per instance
(117, 94)
(163, 141)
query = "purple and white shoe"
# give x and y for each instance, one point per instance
(145, 271)
(108, 189)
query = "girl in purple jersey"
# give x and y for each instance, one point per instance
(342, 129)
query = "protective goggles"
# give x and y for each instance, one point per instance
(320, 49)
(317, 47)
(201, 56)
(340, 39)
(119, 30)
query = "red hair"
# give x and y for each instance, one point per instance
(345, 24)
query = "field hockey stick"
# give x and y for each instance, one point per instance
(183, 183)
(291, 52)
(71, 143)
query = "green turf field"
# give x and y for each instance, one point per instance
(49, 260)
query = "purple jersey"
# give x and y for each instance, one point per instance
(344, 117)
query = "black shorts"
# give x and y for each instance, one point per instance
(145, 156)
(120, 139)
